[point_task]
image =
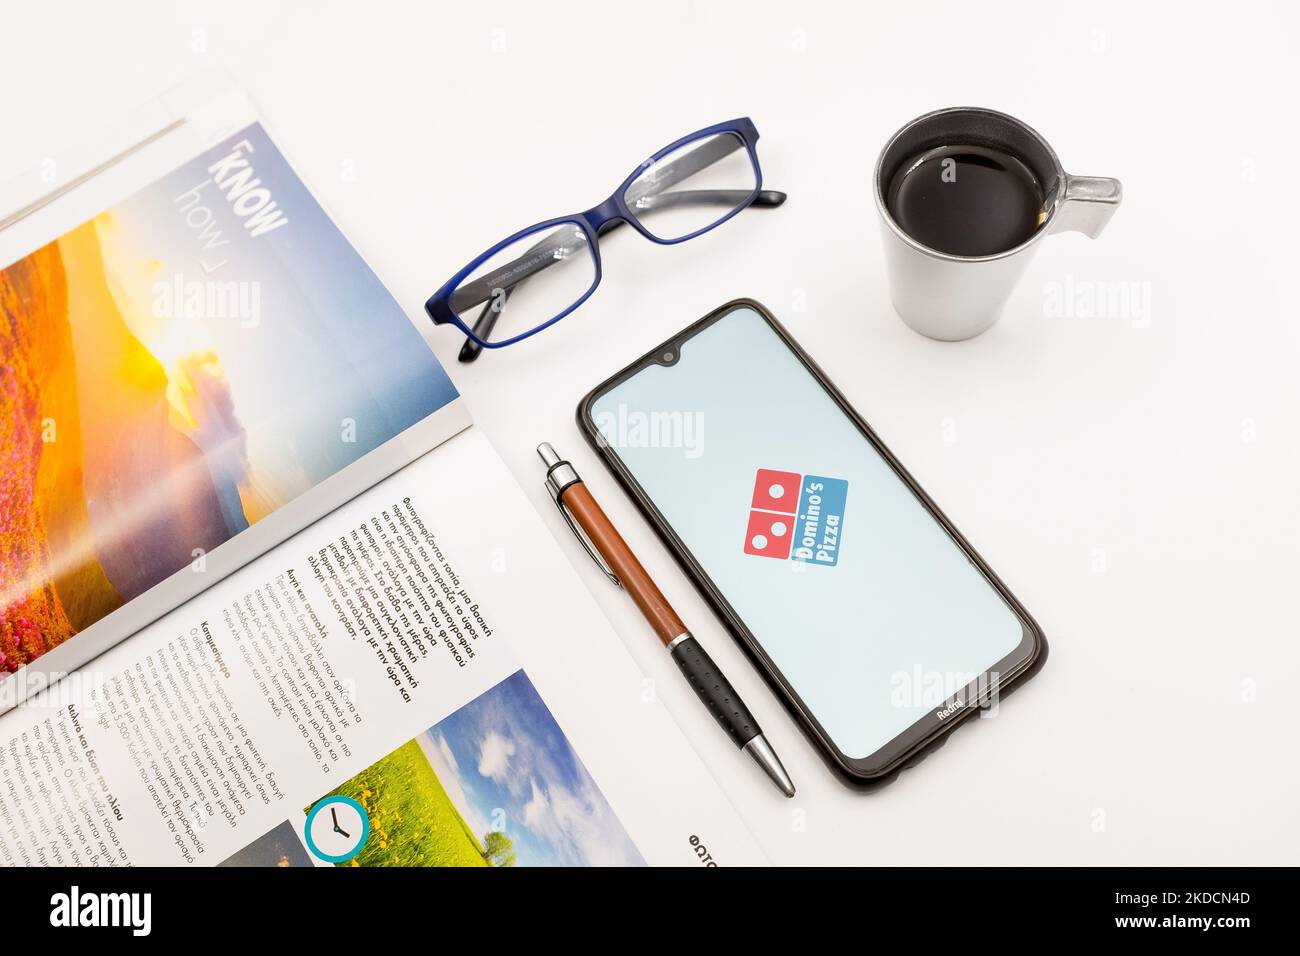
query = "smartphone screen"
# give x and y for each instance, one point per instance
(868, 607)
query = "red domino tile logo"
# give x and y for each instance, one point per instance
(776, 491)
(769, 535)
(771, 520)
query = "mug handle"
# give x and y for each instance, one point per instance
(1087, 203)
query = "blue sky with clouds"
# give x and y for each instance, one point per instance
(503, 760)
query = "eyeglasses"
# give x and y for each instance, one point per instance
(682, 191)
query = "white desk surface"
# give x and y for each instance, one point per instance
(1133, 479)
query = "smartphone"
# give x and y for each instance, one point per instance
(867, 612)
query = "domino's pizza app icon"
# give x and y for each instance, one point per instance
(771, 516)
(796, 517)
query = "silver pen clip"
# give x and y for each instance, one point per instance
(587, 545)
(559, 475)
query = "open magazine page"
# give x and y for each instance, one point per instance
(196, 364)
(419, 678)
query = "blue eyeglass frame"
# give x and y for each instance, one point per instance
(595, 221)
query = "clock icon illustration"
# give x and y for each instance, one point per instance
(337, 828)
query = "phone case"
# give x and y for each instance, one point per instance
(922, 738)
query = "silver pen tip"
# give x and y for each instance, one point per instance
(766, 757)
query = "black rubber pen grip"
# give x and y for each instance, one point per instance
(716, 692)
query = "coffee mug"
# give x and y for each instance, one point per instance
(965, 196)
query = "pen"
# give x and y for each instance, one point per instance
(607, 548)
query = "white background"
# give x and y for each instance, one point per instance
(1134, 479)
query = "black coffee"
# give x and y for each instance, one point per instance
(966, 200)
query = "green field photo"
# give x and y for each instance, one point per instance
(494, 783)
(412, 821)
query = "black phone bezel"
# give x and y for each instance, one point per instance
(925, 734)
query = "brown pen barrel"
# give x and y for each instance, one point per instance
(593, 521)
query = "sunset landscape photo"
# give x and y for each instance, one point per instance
(145, 421)
(106, 487)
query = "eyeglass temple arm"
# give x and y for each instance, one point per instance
(483, 326)
(663, 176)
(536, 258)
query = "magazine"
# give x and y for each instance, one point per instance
(309, 617)
(191, 374)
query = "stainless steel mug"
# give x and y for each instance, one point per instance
(952, 297)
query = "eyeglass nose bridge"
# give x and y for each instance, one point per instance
(601, 219)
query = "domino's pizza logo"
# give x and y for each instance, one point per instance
(796, 517)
